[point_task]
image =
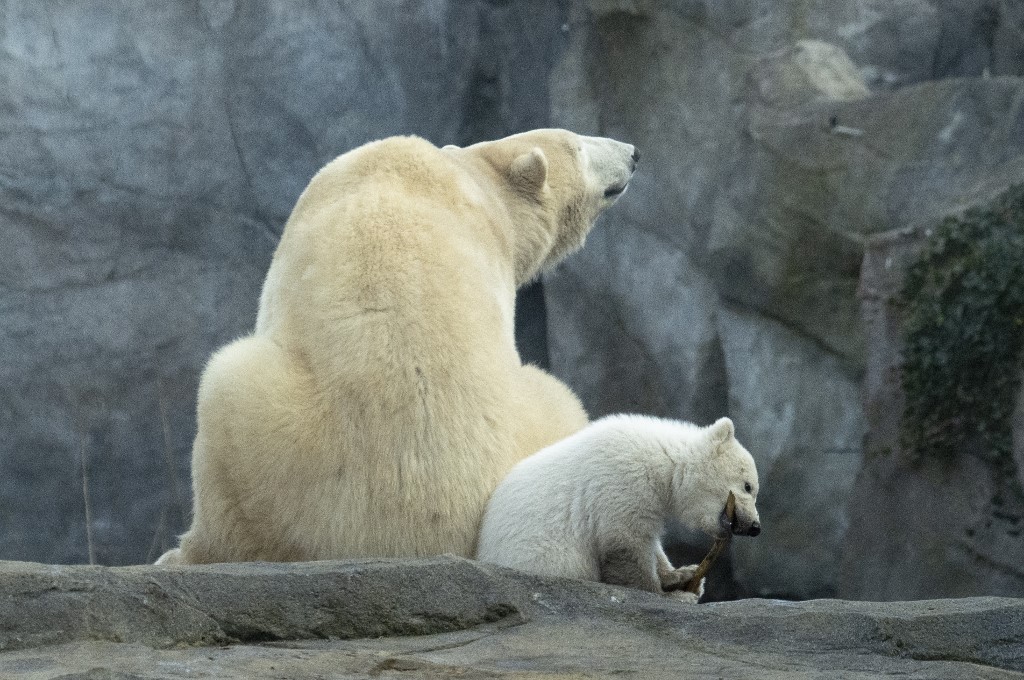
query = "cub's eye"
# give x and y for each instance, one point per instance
(747, 487)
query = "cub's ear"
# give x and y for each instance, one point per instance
(722, 431)
(530, 170)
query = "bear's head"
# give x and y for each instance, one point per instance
(554, 184)
(720, 466)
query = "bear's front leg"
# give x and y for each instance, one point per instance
(673, 579)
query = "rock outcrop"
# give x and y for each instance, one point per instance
(922, 525)
(448, 617)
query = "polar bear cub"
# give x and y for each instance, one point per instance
(593, 506)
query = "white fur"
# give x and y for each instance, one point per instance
(604, 494)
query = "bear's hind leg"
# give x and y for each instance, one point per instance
(630, 564)
(547, 410)
(172, 556)
(255, 417)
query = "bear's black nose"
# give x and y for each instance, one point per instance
(636, 157)
(755, 529)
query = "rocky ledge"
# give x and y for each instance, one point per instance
(450, 617)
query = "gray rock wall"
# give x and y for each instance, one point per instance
(921, 526)
(149, 155)
(777, 138)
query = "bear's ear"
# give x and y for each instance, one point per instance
(722, 431)
(530, 170)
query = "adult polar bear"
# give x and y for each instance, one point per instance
(381, 399)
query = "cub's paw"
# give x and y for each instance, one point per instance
(700, 589)
(677, 578)
(685, 597)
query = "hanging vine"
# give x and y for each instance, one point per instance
(963, 302)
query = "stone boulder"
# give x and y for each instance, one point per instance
(449, 617)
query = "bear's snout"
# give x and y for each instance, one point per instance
(610, 164)
(746, 526)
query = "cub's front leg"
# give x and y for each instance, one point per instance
(633, 565)
(673, 579)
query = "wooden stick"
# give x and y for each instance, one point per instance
(693, 585)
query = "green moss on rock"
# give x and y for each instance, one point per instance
(963, 304)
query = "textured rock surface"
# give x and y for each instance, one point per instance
(151, 151)
(808, 447)
(777, 138)
(149, 155)
(1018, 436)
(448, 617)
(920, 527)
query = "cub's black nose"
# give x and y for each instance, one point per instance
(755, 529)
(636, 158)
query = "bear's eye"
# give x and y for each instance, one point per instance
(747, 487)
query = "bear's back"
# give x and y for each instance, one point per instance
(396, 165)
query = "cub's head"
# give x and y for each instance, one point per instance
(554, 184)
(720, 465)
